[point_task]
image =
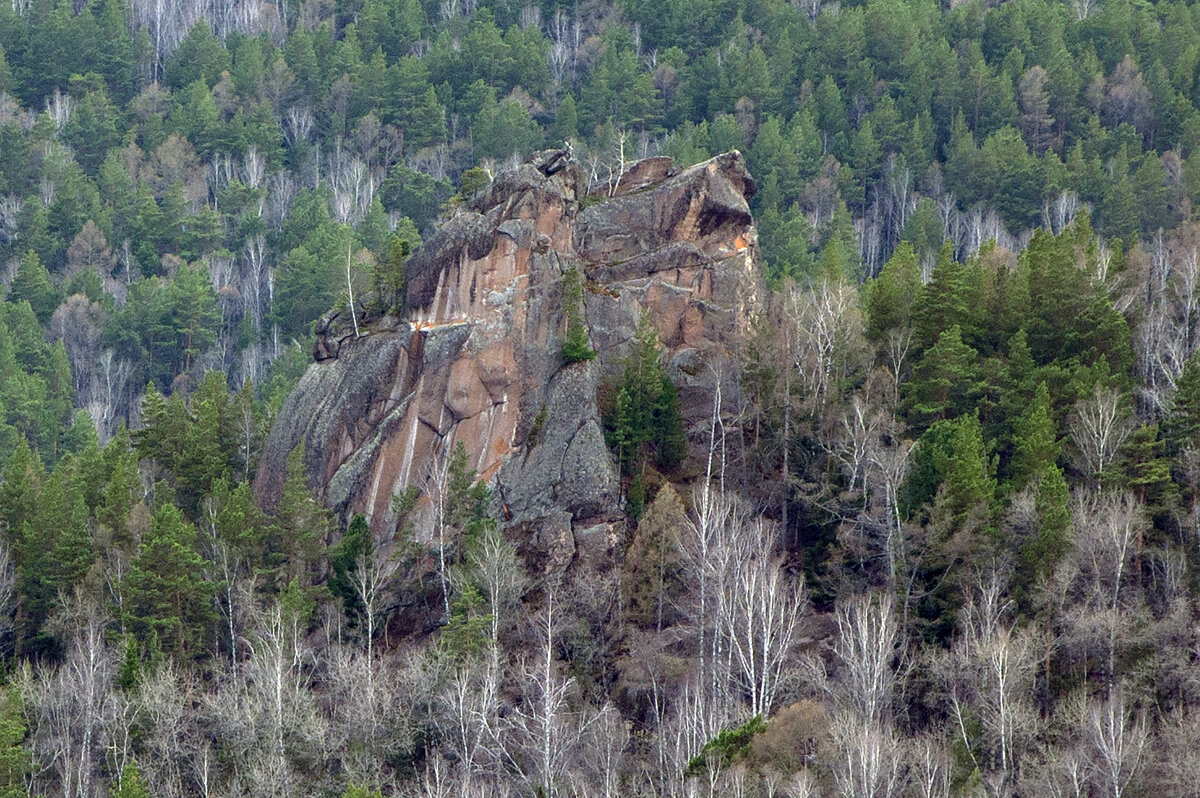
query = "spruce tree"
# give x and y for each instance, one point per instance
(301, 524)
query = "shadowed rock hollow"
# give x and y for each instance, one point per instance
(477, 355)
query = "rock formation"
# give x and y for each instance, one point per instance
(476, 356)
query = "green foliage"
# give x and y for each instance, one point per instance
(351, 551)
(1035, 444)
(33, 285)
(389, 276)
(467, 498)
(645, 425)
(1182, 426)
(945, 381)
(15, 762)
(1040, 555)
(167, 593)
(464, 636)
(575, 346)
(132, 785)
(951, 454)
(299, 526)
(889, 297)
(727, 748)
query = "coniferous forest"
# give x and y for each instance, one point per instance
(957, 552)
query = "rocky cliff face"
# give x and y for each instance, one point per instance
(476, 357)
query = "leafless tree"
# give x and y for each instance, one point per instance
(763, 610)
(868, 764)
(72, 703)
(930, 768)
(545, 732)
(370, 702)
(828, 333)
(493, 567)
(1059, 212)
(437, 484)
(1108, 528)
(991, 678)
(1099, 427)
(1118, 736)
(866, 650)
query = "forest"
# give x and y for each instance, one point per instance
(954, 547)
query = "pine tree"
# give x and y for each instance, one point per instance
(575, 346)
(15, 763)
(167, 591)
(301, 524)
(890, 296)
(945, 381)
(1035, 445)
(33, 285)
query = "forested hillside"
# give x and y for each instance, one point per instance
(943, 537)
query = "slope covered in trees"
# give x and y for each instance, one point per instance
(945, 542)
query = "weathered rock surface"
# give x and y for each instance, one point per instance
(477, 358)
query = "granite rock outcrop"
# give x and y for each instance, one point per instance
(476, 354)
